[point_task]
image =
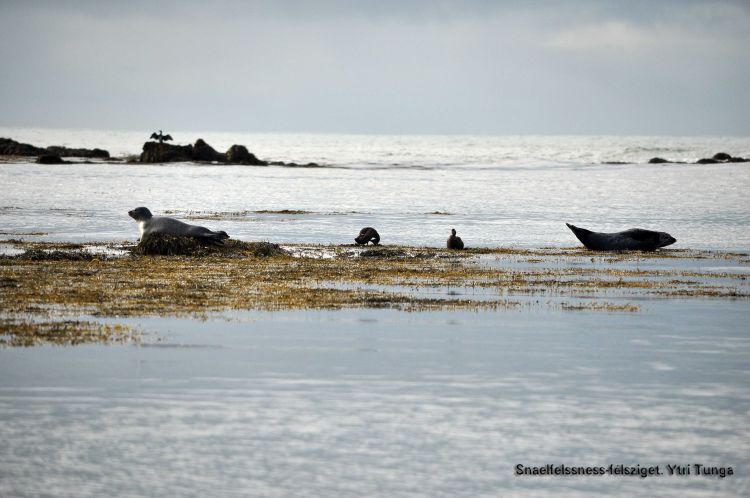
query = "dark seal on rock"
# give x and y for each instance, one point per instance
(368, 234)
(454, 241)
(635, 239)
(150, 224)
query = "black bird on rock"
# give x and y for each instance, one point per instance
(160, 136)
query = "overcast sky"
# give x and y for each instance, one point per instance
(677, 67)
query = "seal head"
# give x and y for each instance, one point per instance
(140, 214)
(635, 239)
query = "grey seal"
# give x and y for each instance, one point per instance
(635, 239)
(454, 242)
(367, 234)
(150, 224)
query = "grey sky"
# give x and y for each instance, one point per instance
(490, 67)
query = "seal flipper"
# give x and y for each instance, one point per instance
(216, 237)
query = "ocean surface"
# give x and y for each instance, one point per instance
(385, 403)
(496, 191)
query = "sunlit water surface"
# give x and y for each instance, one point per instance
(516, 191)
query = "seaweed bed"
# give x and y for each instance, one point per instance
(45, 290)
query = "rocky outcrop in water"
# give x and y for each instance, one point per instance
(9, 147)
(155, 152)
(204, 152)
(238, 154)
(719, 157)
(87, 153)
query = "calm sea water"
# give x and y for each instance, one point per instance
(516, 191)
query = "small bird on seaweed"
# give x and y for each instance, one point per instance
(454, 241)
(160, 136)
(368, 234)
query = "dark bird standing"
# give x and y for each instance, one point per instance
(160, 136)
(454, 241)
(368, 234)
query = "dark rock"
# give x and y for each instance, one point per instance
(155, 152)
(9, 147)
(722, 156)
(738, 160)
(87, 153)
(707, 160)
(658, 160)
(238, 154)
(204, 152)
(49, 159)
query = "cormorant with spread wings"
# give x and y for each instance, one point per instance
(160, 136)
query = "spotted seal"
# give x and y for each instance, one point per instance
(368, 234)
(635, 239)
(150, 224)
(454, 242)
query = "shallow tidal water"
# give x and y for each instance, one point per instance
(384, 403)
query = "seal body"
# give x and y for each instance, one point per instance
(635, 239)
(368, 234)
(454, 241)
(150, 224)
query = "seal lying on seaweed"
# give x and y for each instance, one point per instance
(150, 224)
(635, 239)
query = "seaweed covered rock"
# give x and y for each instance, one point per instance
(171, 245)
(204, 152)
(658, 160)
(263, 249)
(155, 152)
